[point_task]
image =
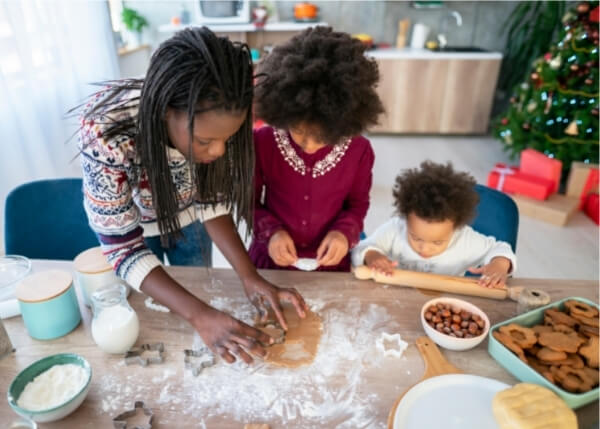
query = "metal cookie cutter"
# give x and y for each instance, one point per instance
(134, 356)
(120, 422)
(197, 360)
(273, 329)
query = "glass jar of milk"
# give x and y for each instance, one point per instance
(115, 326)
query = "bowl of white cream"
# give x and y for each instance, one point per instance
(51, 388)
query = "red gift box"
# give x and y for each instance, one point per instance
(592, 207)
(512, 181)
(537, 164)
(591, 186)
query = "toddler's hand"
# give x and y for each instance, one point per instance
(282, 249)
(333, 248)
(380, 263)
(494, 274)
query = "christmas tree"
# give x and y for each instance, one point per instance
(555, 110)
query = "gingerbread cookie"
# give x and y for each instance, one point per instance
(593, 374)
(574, 380)
(510, 344)
(588, 331)
(548, 355)
(590, 352)
(573, 360)
(524, 337)
(589, 321)
(538, 329)
(560, 341)
(557, 317)
(541, 368)
(578, 308)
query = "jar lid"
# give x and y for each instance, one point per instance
(43, 286)
(92, 261)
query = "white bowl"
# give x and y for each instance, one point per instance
(454, 343)
(38, 367)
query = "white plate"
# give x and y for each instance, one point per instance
(454, 401)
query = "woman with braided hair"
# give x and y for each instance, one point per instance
(166, 160)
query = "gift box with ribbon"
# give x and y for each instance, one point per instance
(592, 207)
(512, 181)
(540, 165)
(583, 180)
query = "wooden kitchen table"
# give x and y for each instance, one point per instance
(175, 407)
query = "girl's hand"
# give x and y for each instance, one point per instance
(282, 249)
(333, 248)
(227, 336)
(264, 295)
(494, 274)
(380, 263)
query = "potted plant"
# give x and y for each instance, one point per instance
(134, 23)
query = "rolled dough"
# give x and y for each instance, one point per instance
(301, 339)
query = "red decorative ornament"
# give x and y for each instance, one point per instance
(547, 56)
(504, 121)
(535, 76)
(574, 67)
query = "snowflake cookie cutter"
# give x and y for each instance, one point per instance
(134, 356)
(198, 360)
(120, 422)
(391, 345)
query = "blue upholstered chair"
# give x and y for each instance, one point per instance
(45, 219)
(497, 215)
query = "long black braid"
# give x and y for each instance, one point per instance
(194, 71)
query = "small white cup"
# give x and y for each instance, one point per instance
(93, 271)
(419, 36)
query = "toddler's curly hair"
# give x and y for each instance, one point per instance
(435, 192)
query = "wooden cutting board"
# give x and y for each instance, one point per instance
(435, 364)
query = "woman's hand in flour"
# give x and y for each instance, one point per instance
(265, 296)
(494, 274)
(228, 337)
(282, 249)
(333, 248)
(380, 263)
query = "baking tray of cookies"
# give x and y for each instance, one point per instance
(524, 371)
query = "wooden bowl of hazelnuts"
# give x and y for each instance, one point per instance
(454, 324)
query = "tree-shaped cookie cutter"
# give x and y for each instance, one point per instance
(120, 422)
(134, 356)
(198, 360)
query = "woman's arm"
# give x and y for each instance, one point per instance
(259, 291)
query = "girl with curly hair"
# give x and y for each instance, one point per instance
(313, 168)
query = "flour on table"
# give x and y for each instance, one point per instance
(152, 305)
(293, 398)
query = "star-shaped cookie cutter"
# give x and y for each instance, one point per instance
(198, 360)
(134, 356)
(398, 344)
(120, 422)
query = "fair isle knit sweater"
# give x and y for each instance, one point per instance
(118, 199)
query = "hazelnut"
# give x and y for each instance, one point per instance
(455, 327)
(456, 318)
(464, 324)
(447, 330)
(473, 328)
(428, 316)
(459, 334)
(465, 315)
(446, 313)
(480, 323)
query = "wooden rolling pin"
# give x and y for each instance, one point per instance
(459, 285)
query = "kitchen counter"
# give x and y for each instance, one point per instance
(424, 54)
(244, 28)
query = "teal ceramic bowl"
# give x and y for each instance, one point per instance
(28, 374)
(48, 303)
(524, 372)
